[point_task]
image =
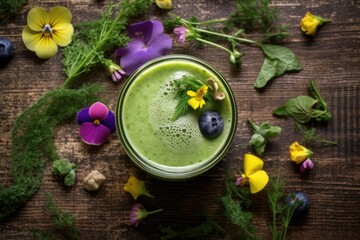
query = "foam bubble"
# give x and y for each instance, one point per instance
(179, 135)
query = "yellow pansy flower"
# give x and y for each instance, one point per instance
(299, 153)
(310, 23)
(253, 173)
(164, 4)
(136, 187)
(197, 97)
(45, 31)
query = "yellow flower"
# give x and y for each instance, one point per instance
(197, 97)
(310, 23)
(299, 153)
(254, 175)
(136, 187)
(164, 4)
(46, 30)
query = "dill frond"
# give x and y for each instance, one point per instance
(10, 7)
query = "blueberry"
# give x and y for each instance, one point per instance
(211, 124)
(6, 50)
(300, 200)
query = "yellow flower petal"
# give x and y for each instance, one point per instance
(191, 93)
(63, 37)
(136, 187)
(299, 153)
(201, 103)
(194, 103)
(30, 38)
(258, 181)
(59, 17)
(46, 48)
(252, 164)
(309, 24)
(37, 18)
(164, 4)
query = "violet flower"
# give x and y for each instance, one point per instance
(306, 165)
(97, 123)
(138, 213)
(114, 70)
(148, 42)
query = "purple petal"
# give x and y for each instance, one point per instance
(98, 111)
(134, 45)
(161, 43)
(94, 134)
(145, 30)
(109, 122)
(134, 60)
(83, 116)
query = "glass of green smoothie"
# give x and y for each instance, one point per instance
(168, 148)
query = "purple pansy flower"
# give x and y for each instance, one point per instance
(97, 123)
(148, 42)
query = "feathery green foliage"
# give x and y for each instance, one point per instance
(33, 142)
(9, 7)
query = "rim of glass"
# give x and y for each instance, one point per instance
(163, 171)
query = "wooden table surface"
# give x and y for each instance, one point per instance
(332, 58)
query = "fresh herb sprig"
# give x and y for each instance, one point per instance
(9, 7)
(281, 212)
(63, 223)
(303, 109)
(235, 201)
(310, 135)
(183, 85)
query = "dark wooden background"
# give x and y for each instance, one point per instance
(331, 58)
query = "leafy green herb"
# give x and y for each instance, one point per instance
(65, 169)
(33, 132)
(95, 38)
(33, 141)
(304, 108)
(281, 212)
(261, 136)
(200, 231)
(310, 135)
(278, 60)
(9, 7)
(235, 201)
(64, 223)
(183, 85)
(253, 14)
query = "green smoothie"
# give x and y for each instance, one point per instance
(148, 105)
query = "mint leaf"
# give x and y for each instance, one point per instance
(278, 60)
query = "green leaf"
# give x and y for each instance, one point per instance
(258, 144)
(269, 131)
(70, 178)
(61, 167)
(278, 60)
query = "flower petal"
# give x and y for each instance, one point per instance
(145, 30)
(30, 38)
(63, 37)
(258, 181)
(194, 103)
(83, 116)
(252, 164)
(59, 17)
(109, 122)
(98, 111)
(134, 60)
(46, 47)
(94, 134)
(161, 43)
(37, 18)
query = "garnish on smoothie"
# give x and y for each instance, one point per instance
(195, 93)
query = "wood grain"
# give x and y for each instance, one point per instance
(331, 58)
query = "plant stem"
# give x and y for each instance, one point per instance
(155, 211)
(214, 44)
(242, 40)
